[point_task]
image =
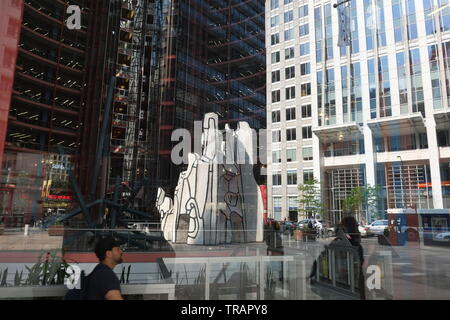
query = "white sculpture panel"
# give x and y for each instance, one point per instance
(217, 200)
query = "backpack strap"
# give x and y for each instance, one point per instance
(85, 285)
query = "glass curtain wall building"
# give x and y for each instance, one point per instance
(168, 63)
(45, 110)
(379, 107)
(212, 60)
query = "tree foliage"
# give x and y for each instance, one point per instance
(360, 199)
(310, 199)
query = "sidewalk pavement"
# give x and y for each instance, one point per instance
(37, 240)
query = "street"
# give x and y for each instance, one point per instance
(419, 272)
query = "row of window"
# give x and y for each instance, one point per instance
(277, 206)
(291, 113)
(289, 53)
(289, 34)
(291, 155)
(289, 72)
(305, 90)
(289, 16)
(302, 10)
(291, 134)
(292, 177)
(405, 16)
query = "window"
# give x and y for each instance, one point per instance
(288, 1)
(275, 39)
(304, 49)
(307, 154)
(430, 26)
(275, 76)
(307, 133)
(274, 21)
(290, 72)
(384, 87)
(289, 53)
(290, 114)
(319, 33)
(274, 4)
(288, 34)
(275, 57)
(306, 111)
(304, 30)
(276, 156)
(290, 93)
(328, 32)
(306, 89)
(303, 11)
(305, 68)
(291, 155)
(291, 134)
(276, 136)
(293, 205)
(289, 16)
(277, 208)
(276, 179)
(292, 178)
(276, 116)
(276, 96)
(308, 175)
(369, 24)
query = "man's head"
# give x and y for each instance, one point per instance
(108, 251)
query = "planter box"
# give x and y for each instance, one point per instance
(307, 236)
(298, 235)
(56, 231)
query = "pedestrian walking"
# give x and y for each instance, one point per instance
(103, 283)
(347, 229)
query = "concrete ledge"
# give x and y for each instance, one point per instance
(29, 293)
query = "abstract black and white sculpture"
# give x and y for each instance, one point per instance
(217, 200)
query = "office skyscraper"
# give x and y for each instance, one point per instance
(373, 113)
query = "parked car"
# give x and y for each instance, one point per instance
(377, 227)
(302, 224)
(330, 231)
(365, 231)
(289, 227)
(444, 236)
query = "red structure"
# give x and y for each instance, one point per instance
(10, 24)
(264, 196)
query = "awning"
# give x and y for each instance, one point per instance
(442, 119)
(398, 126)
(341, 132)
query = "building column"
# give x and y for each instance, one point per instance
(369, 150)
(430, 123)
(435, 168)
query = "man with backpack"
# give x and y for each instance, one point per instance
(102, 283)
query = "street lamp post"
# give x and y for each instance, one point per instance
(401, 181)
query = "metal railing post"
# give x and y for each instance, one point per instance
(352, 272)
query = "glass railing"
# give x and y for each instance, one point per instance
(343, 152)
(277, 269)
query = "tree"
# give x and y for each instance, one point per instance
(360, 199)
(310, 199)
